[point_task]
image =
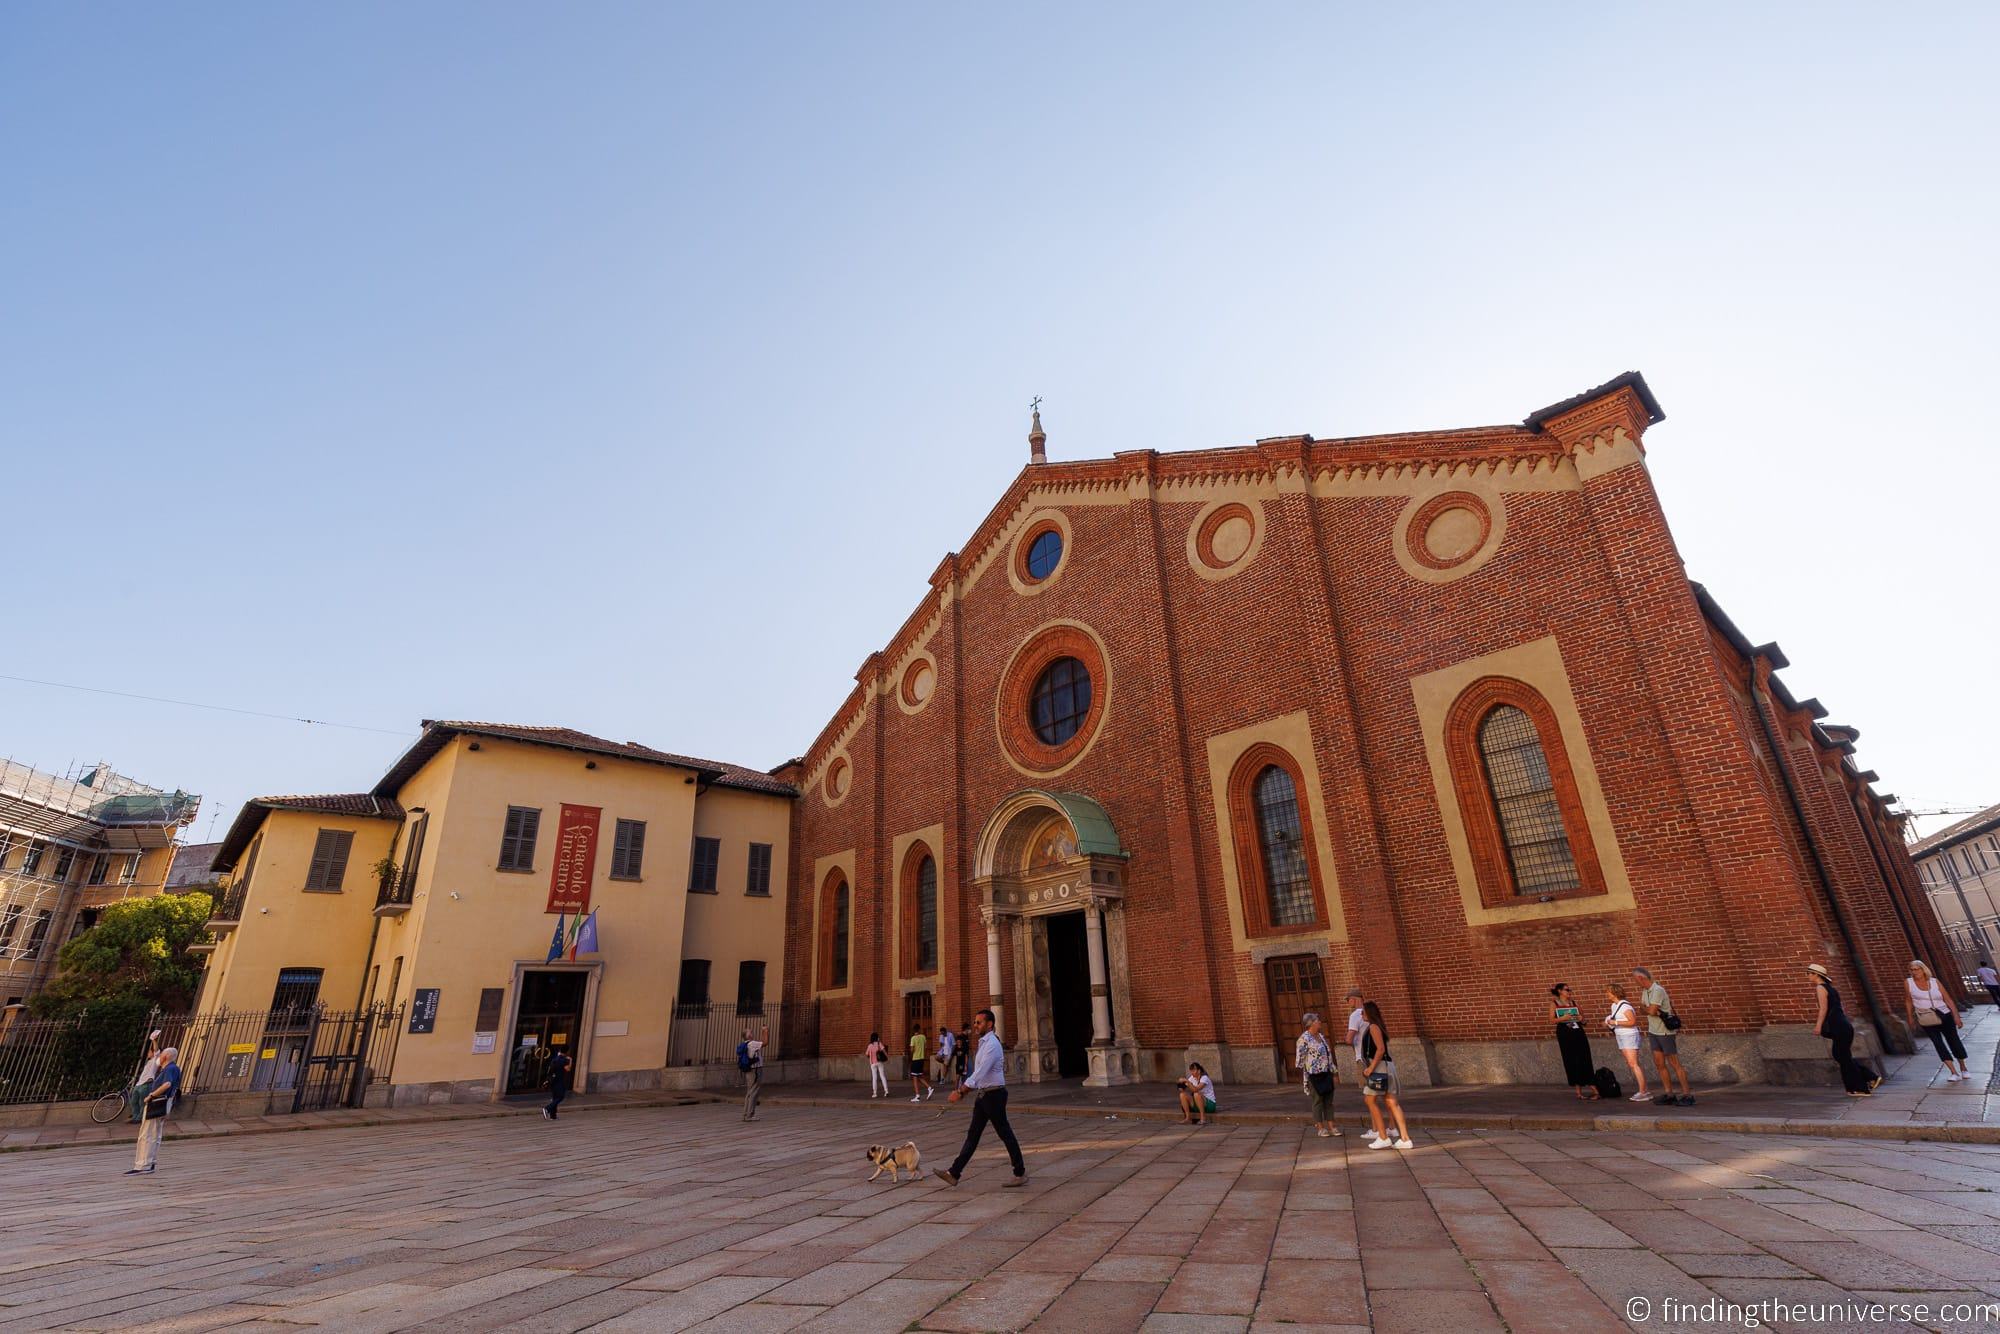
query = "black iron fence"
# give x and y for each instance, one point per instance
(228, 904)
(324, 1058)
(708, 1034)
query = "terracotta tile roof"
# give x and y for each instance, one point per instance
(1970, 827)
(355, 805)
(438, 733)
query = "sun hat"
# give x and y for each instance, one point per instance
(1818, 968)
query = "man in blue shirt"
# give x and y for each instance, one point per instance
(988, 1085)
(159, 1102)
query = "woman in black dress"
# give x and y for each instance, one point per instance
(1834, 1025)
(1572, 1041)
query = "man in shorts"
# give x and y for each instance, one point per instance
(920, 1088)
(1664, 1041)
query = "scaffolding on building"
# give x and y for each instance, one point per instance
(61, 834)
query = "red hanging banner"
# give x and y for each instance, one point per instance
(575, 860)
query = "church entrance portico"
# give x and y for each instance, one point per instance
(1050, 875)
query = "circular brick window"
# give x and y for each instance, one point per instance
(1053, 698)
(1225, 536)
(1448, 530)
(839, 777)
(1040, 552)
(1060, 701)
(919, 680)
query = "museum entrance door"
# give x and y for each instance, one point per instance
(550, 1020)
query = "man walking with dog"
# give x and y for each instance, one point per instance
(988, 1085)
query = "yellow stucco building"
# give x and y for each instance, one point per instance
(440, 889)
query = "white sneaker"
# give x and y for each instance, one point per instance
(1383, 1143)
(1406, 1144)
(928, 1090)
(915, 1098)
(1369, 1135)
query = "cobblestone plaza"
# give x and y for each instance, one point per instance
(684, 1217)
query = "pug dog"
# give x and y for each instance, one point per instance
(895, 1161)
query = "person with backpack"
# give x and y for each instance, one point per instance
(750, 1060)
(1663, 1035)
(560, 1066)
(877, 1057)
(1623, 1021)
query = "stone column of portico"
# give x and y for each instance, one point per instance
(994, 999)
(1100, 989)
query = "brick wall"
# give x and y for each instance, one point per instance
(1731, 896)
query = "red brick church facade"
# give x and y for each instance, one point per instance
(1180, 745)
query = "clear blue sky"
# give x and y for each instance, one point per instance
(631, 367)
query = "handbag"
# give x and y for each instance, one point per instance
(1378, 1083)
(1929, 1019)
(1322, 1083)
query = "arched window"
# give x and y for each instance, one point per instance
(927, 916)
(835, 924)
(1277, 864)
(1524, 800)
(1281, 843)
(840, 924)
(1517, 795)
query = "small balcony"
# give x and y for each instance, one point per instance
(202, 944)
(393, 898)
(228, 909)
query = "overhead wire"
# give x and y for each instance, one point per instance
(217, 708)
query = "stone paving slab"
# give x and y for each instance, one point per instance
(685, 1218)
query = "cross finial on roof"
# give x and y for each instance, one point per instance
(1037, 439)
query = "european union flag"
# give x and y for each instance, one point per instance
(586, 936)
(556, 945)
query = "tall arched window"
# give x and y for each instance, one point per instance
(840, 924)
(1281, 843)
(927, 916)
(1524, 799)
(835, 922)
(1524, 820)
(1277, 863)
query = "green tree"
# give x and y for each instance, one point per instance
(135, 957)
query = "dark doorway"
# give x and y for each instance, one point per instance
(549, 1021)
(917, 1019)
(1069, 993)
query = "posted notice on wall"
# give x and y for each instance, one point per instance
(482, 1043)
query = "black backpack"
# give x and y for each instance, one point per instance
(1607, 1084)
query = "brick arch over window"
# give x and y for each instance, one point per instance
(917, 879)
(836, 931)
(1480, 736)
(1267, 836)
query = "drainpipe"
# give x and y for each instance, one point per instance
(1891, 883)
(1760, 669)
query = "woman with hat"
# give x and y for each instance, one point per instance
(1833, 1024)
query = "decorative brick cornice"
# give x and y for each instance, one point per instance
(1601, 420)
